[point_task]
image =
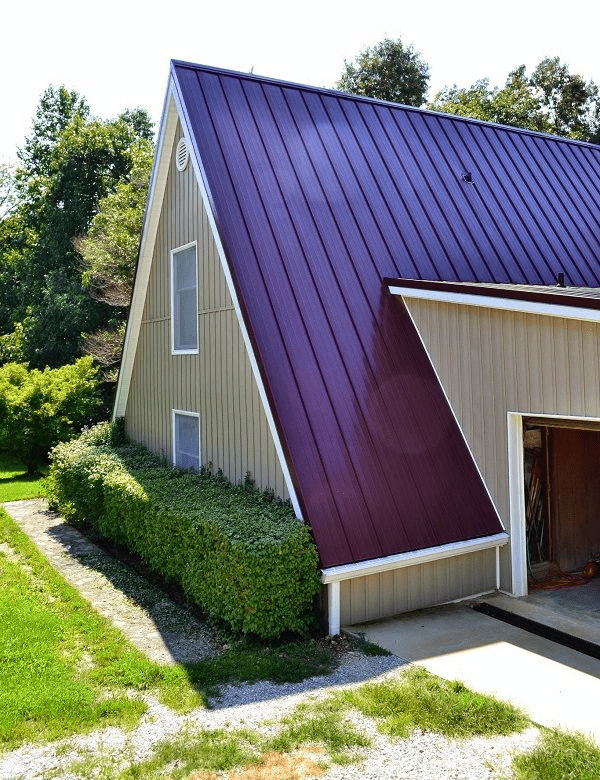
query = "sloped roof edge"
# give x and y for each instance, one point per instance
(174, 109)
(158, 180)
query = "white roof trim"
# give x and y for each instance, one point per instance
(497, 302)
(156, 191)
(174, 110)
(412, 558)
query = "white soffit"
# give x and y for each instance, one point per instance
(497, 302)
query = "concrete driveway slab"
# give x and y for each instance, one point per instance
(556, 686)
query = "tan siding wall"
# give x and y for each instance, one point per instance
(492, 362)
(218, 382)
(415, 587)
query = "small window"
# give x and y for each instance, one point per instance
(186, 440)
(184, 301)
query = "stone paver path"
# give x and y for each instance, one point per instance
(166, 632)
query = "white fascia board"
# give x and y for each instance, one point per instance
(412, 558)
(496, 302)
(208, 206)
(156, 191)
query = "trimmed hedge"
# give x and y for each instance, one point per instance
(238, 553)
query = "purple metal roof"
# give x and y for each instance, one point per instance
(317, 197)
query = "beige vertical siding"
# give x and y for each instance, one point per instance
(492, 362)
(415, 587)
(218, 383)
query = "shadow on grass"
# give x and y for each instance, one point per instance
(210, 657)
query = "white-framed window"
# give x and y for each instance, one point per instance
(184, 300)
(186, 439)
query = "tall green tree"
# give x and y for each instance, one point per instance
(109, 253)
(550, 100)
(390, 70)
(570, 103)
(69, 163)
(56, 108)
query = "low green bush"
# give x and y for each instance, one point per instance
(38, 409)
(237, 552)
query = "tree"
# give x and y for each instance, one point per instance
(109, 249)
(8, 190)
(57, 107)
(388, 71)
(571, 104)
(69, 164)
(109, 253)
(551, 100)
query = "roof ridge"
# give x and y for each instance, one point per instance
(363, 99)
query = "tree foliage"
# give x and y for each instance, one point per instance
(109, 253)
(69, 164)
(38, 409)
(390, 71)
(109, 249)
(550, 100)
(8, 190)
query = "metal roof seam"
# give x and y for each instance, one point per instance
(351, 212)
(528, 160)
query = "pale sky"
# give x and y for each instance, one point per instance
(117, 53)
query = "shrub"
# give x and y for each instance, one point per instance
(238, 553)
(38, 409)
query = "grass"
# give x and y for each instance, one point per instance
(420, 700)
(560, 756)
(65, 668)
(15, 483)
(323, 731)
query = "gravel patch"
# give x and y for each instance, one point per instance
(423, 756)
(169, 634)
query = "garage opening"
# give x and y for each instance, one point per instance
(562, 500)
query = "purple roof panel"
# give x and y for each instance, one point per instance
(318, 197)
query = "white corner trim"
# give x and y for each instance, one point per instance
(516, 497)
(413, 558)
(207, 200)
(333, 608)
(158, 181)
(496, 302)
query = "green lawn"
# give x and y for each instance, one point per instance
(65, 670)
(15, 483)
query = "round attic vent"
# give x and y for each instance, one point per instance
(182, 155)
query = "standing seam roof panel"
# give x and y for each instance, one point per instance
(319, 196)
